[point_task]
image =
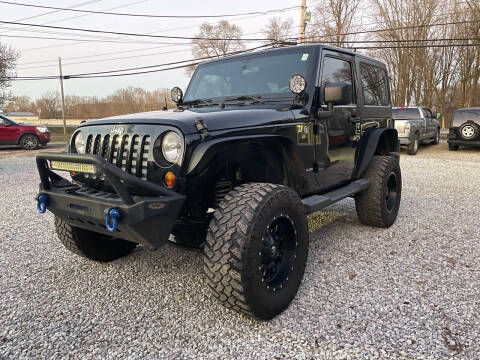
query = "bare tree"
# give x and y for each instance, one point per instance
(409, 67)
(278, 30)
(8, 60)
(49, 105)
(20, 103)
(332, 19)
(216, 40)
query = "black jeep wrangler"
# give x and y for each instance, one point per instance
(257, 142)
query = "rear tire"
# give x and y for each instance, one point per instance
(29, 142)
(452, 147)
(436, 139)
(91, 245)
(413, 146)
(256, 249)
(379, 204)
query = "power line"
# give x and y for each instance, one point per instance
(144, 15)
(154, 32)
(124, 33)
(396, 28)
(97, 55)
(395, 41)
(56, 11)
(108, 74)
(185, 50)
(92, 40)
(100, 73)
(109, 59)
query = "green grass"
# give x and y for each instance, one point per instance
(319, 219)
(58, 130)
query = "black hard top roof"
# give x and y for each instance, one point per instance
(287, 48)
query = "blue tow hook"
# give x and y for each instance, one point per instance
(111, 217)
(42, 203)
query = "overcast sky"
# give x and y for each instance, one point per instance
(33, 51)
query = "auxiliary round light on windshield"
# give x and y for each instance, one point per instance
(176, 94)
(297, 84)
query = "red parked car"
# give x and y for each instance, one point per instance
(27, 136)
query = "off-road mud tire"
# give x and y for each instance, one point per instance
(234, 243)
(373, 206)
(91, 245)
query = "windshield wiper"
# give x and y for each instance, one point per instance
(207, 102)
(256, 99)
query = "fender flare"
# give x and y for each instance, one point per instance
(368, 145)
(201, 151)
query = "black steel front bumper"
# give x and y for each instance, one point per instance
(143, 219)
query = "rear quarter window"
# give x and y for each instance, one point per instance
(407, 113)
(374, 85)
(462, 116)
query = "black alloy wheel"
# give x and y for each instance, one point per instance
(392, 192)
(278, 252)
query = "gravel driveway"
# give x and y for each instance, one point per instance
(411, 291)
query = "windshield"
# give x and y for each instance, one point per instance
(4, 120)
(461, 116)
(406, 113)
(262, 74)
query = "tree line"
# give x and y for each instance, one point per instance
(431, 48)
(123, 101)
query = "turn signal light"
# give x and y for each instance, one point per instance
(170, 179)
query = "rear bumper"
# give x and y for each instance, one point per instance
(404, 140)
(473, 143)
(143, 219)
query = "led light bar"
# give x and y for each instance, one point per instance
(69, 166)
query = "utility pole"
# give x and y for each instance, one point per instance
(63, 96)
(302, 20)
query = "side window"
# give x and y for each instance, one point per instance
(374, 85)
(2, 121)
(335, 71)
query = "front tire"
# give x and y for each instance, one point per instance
(29, 142)
(91, 245)
(379, 204)
(256, 249)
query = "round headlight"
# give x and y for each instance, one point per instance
(79, 143)
(172, 147)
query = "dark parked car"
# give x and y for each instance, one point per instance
(258, 141)
(465, 128)
(27, 136)
(416, 125)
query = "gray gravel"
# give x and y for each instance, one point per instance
(411, 291)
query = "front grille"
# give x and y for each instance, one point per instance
(128, 152)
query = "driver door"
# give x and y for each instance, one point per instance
(338, 131)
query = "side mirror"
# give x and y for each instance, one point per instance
(439, 115)
(339, 93)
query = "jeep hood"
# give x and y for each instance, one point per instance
(213, 117)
